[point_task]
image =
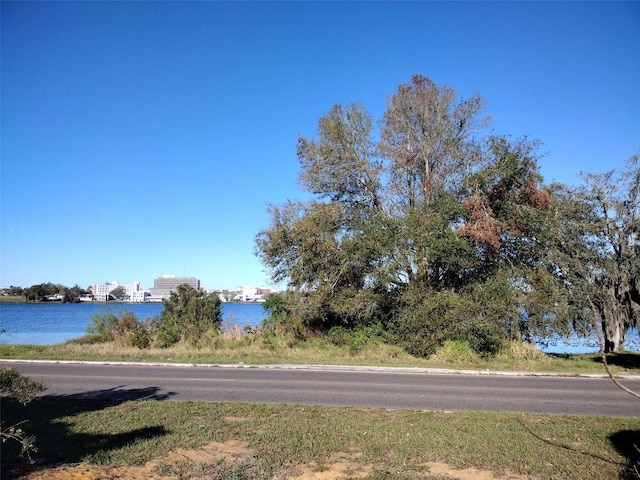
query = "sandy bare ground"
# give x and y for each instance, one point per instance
(338, 466)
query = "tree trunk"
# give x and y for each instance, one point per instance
(613, 335)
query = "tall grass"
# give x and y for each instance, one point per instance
(261, 346)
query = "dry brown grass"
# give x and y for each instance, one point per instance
(263, 347)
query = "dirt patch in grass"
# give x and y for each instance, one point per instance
(340, 465)
(469, 473)
(84, 471)
(230, 450)
(232, 419)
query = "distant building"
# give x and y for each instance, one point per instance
(251, 294)
(133, 293)
(225, 295)
(164, 285)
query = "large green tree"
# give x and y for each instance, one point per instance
(326, 249)
(429, 144)
(428, 137)
(38, 292)
(597, 251)
(402, 228)
(73, 294)
(342, 164)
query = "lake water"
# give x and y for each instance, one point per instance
(52, 323)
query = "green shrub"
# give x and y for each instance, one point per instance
(456, 352)
(423, 327)
(357, 339)
(22, 389)
(276, 305)
(283, 319)
(15, 385)
(133, 333)
(126, 329)
(188, 315)
(104, 326)
(163, 332)
(339, 336)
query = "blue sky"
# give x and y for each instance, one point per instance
(147, 138)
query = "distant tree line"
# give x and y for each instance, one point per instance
(43, 291)
(427, 230)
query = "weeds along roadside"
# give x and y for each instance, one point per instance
(259, 346)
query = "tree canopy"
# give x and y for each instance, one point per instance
(42, 292)
(436, 230)
(119, 293)
(597, 250)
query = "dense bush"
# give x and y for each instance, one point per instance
(358, 338)
(125, 329)
(283, 318)
(103, 326)
(15, 385)
(422, 327)
(132, 332)
(188, 315)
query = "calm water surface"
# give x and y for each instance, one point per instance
(52, 323)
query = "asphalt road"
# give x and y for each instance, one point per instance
(412, 389)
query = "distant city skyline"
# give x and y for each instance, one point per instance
(144, 137)
(164, 285)
(144, 286)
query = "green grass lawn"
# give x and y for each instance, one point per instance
(12, 299)
(279, 441)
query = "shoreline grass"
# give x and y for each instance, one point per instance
(13, 299)
(255, 349)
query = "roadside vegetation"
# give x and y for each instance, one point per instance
(261, 346)
(188, 316)
(21, 390)
(145, 437)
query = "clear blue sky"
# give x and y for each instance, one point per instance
(147, 138)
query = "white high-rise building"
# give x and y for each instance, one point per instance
(132, 293)
(251, 293)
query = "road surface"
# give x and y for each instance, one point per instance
(412, 389)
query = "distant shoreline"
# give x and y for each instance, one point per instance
(22, 299)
